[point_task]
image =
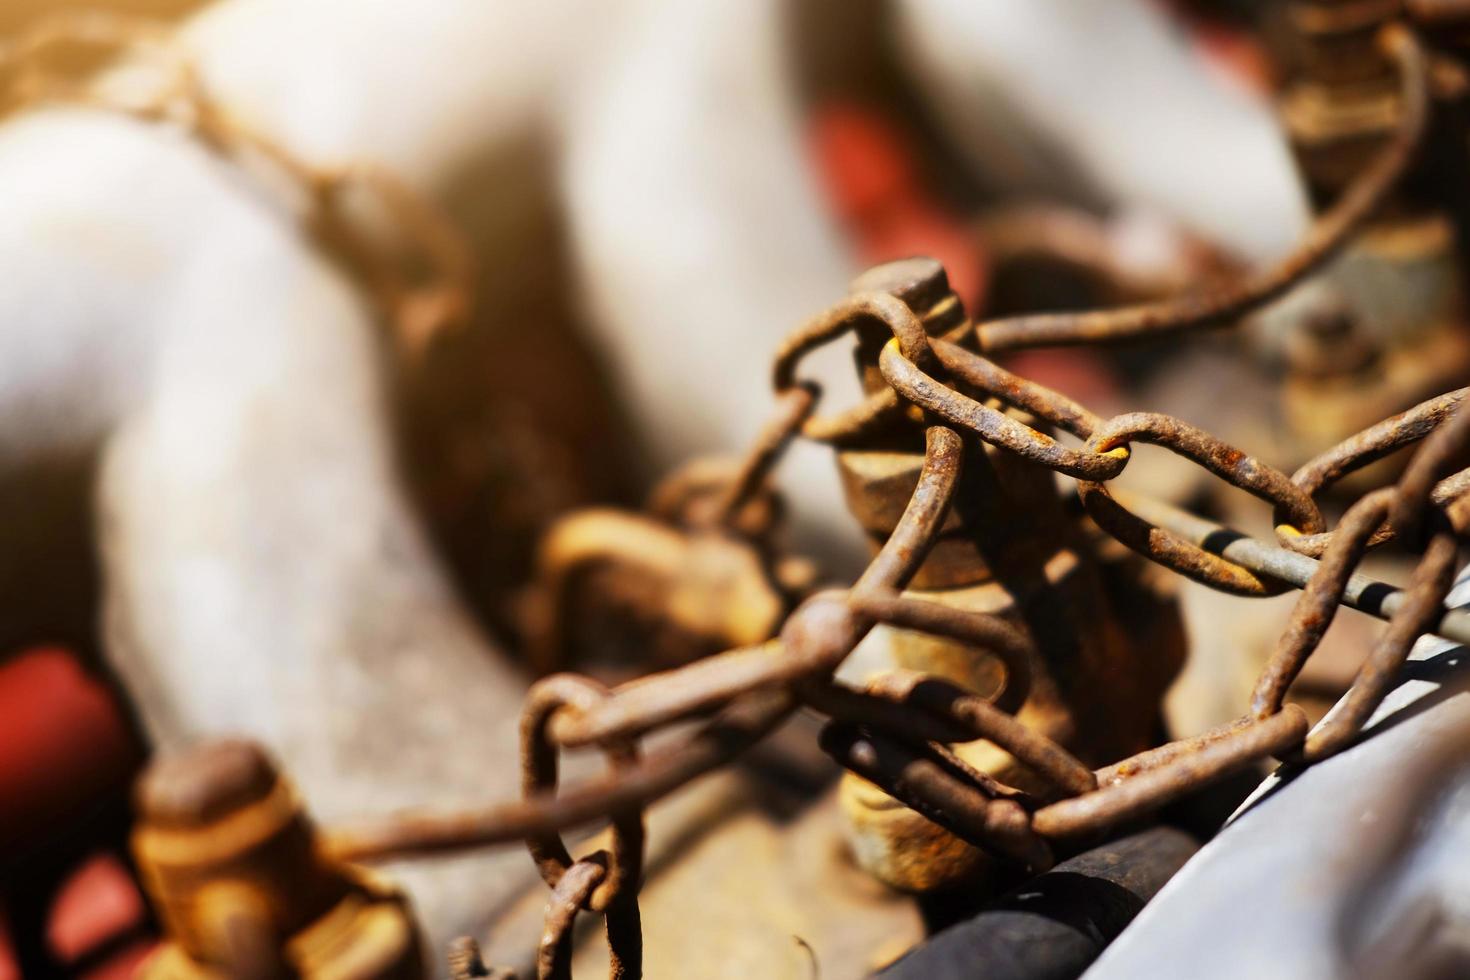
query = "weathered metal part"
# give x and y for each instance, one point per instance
(1383, 329)
(1343, 104)
(1148, 782)
(741, 724)
(1370, 186)
(985, 375)
(1265, 898)
(230, 861)
(1057, 923)
(539, 767)
(572, 892)
(1317, 606)
(568, 895)
(825, 629)
(794, 407)
(1229, 464)
(1012, 647)
(1359, 450)
(660, 699)
(994, 426)
(903, 553)
(1361, 592)
(1423, 602)
(699, 575)
(1445, 448)
(930, 784)
(871, 305)
(1006, 550)
(978, 718)
(870, 313)
(746, 879)
(1392, 327)
(710, 590)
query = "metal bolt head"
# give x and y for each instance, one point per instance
(921, 282)
(205, 784)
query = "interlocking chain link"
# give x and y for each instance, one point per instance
(896, 731)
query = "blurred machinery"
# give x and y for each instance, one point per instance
(1002, 741)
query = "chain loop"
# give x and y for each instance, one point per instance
(1317, 606)
(1423, 605)
(993, 425)
(896, 732)
(1357, 451)
(1230, 464)
(539, 775)
(1230, 303)
(879, 407)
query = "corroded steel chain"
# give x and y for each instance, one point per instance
(895, 732)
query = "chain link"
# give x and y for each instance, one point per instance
(895, 731)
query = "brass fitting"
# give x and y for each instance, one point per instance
(228, 858)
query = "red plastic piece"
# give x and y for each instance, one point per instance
(63, 742)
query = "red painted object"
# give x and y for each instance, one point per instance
(63, 742)
(67, 758)
(869, 169)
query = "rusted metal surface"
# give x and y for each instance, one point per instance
(1359, 450)
(897, 746)
(735, 729)
(1227, 304)
(994, 426)
(230, 861)
(895, 734)
(1010, 645)
(1353, 866)
(977, 556)
(1424, 599)
(1138, 787)
(1226, 462)
(1360, 592)
(577, 889)
(1319, 600)
(974, 717)
(1008, 555)
(882, 405)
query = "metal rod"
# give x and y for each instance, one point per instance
(1363, 593)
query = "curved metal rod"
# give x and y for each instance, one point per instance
(1228, 303)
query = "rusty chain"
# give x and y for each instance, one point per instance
(895, 732)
